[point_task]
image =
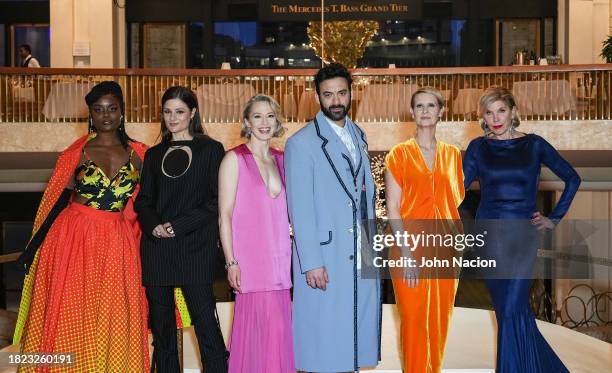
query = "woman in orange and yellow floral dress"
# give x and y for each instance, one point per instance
(82, 294)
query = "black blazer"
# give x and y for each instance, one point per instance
(189, 203)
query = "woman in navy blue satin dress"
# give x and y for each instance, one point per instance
(507, 164)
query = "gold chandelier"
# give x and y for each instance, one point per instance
(345, 41)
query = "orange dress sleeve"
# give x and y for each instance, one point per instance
(394, 161)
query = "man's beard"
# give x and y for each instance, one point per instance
(336, 117)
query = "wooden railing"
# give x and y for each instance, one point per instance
(559, 92)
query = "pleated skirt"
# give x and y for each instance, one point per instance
(521, 348)
(87, 297)
(261, 339)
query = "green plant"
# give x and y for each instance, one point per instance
(606, 50)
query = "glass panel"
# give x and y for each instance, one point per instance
(519, 35)
(263, 45)
(37, 37)
(415, 44)
(195, 48)
(286, 44)
(2, 46)
(135, 45)
(164, 45)
(235, 42)
(549, 42)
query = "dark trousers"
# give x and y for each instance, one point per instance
(201, 304)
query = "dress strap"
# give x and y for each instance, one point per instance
(129, 161)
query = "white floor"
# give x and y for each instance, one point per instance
(396, 371)
(470, 347)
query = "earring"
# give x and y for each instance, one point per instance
(90, 129)
(484, 127)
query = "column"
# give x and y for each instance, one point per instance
(582, 26)
(87, 33)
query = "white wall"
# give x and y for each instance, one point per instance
(582, 27)
(60, 19)
(96, 23)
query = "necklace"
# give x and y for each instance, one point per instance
(171, 149)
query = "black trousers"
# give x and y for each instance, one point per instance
(201, 304)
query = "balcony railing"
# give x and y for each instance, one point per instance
(560, 92)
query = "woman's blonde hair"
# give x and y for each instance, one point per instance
(432, 91)
(494, 94)
(278, 131)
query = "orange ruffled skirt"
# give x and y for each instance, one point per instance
(87, 297)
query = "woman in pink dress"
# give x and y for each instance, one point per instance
(254, 230)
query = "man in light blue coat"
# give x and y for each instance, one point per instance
(330, 192)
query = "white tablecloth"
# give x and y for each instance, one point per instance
(66, 100)
(307, 106)
(385, 101)
(288, 105)
(466, 102)
(544, 97)
(223, 102)
(23, 94)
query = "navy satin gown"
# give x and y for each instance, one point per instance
(509, 173)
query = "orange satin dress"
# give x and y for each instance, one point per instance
(425, 310)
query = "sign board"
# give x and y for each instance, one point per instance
(80, 49)
(339, 10)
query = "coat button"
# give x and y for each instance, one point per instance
(351, 257)
(350, 230)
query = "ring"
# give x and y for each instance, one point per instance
(170, 230)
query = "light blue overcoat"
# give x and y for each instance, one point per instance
(335, 330)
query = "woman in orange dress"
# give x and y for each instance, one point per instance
(424, 181)
(82, 294)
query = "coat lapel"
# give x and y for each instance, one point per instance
(333, 148)
(360, 145)
(369, 180)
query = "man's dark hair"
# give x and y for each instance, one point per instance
(26, 47)
(333, 70)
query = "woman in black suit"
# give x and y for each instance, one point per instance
(178, 212)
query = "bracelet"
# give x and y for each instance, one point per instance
(232, 262)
